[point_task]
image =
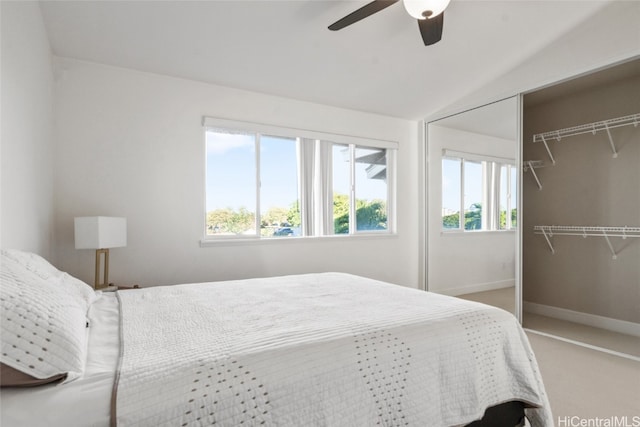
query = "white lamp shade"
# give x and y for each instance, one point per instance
(100, 232)
(417, 8)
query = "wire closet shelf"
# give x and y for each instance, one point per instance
(548, 231)
(593, 128)
(531, 165)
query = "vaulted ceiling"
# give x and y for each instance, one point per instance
(489, 48)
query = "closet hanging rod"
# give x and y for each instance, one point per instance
(633, 119)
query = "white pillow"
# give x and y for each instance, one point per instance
(32, 262)
(43, 318)
(42, 268)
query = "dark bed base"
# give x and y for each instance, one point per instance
(509, 414)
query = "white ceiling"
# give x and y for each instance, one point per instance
(284, 48)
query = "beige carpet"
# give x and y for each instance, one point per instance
(614, 341)
(587, 384)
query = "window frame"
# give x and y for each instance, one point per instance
(490, 192)
(302, 135)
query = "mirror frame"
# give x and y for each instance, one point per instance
(427, 199)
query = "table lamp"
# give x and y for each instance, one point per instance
(100, 233)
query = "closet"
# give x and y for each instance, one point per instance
(581, 209)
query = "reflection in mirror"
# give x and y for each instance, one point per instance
(582, 286)
(472, 204)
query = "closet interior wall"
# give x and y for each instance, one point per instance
(586, 187)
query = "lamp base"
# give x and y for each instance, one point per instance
(105, 273)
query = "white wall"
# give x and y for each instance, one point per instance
(461, 263)
(27, 130)
(131, 144)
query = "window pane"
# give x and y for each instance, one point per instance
(514, 197)
(504, 195)
(371, 188)
(472, 195)
(341, 188)
(279, 204)
(231, 183)
(450, 193)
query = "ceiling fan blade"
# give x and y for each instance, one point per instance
(364, 12)
(431, 29)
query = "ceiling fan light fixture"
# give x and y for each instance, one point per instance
(425, 9)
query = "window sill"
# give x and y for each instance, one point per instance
(207, 243)
(460, 233)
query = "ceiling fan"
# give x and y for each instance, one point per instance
(429, 13)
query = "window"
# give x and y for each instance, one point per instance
(483, 188)
(279, 201)
(340, 160)
(371, 188)
(473, 173)
(451, 191)
(231, 159)
(508, 197)
(268, 182)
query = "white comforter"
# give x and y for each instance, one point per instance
(318, 350)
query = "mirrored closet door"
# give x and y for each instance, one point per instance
(581, 209)
(472, 199)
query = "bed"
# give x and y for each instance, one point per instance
(326, 349)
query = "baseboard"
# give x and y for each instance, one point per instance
(583, 344)
(477, 287)
(608, 323)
